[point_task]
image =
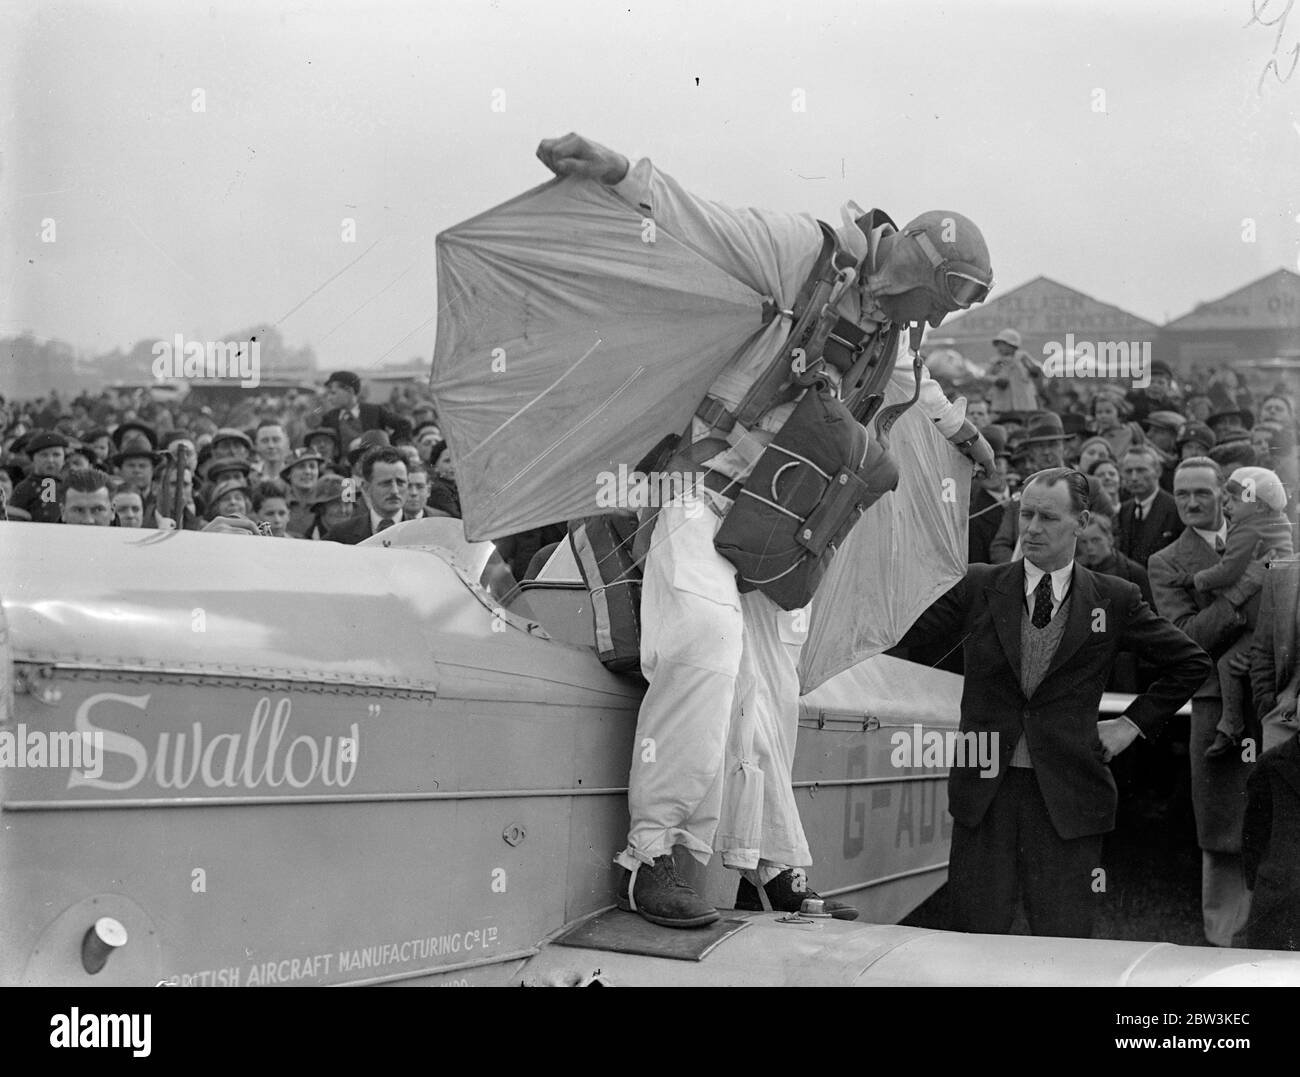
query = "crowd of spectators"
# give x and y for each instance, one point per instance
(311, 466)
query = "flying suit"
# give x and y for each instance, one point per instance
(715, 738)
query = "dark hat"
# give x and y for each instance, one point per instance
(346, 379)
(235, 482)
(300, 456)
(1170, 420)
(369, 440)
(232, 433)
(135, 447)
(1227, 410)
(1233, 454)
(1042, 426)
(326, 431)
(1013, 417)
(43, 439)
(142, 431)
(1228, 437)
(213, 466)
(1194, 431)
(996, 436)
(328, 488)
(1073, 423)
(1159, 366)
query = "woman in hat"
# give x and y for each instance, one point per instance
(1110, 414)
(229, 497)
(1094, 449)
(324, 441)
(1106, 472)
(300, 474)
(331, 505)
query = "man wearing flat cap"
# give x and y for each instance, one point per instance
(1196, 439)
(38, 494)
(349, 418)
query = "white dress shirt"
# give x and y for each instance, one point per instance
(377, 518)
(1145, 505)
(1060, 584)
(1212, 538)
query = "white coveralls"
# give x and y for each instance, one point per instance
(715, 739)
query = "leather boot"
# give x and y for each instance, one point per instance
(786, 893)
(661, 896)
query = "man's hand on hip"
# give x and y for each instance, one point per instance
(1116, 734)
(573, 155)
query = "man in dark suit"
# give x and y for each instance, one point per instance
(1218, 785)
(1274, 668)
(1148, 520)
(1271, 848)
(1040, 636)
(350, 419)
(383, 489)
(988, 498)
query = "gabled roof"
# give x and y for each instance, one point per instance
(1271, 302)
(1043, 306)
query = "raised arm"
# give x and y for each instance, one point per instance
(769, 251)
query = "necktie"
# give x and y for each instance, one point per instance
(1042, 602)
(384, 524)
(1137, 513)
(1218, 545)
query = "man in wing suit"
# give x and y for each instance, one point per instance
(1040, 636)
(383, 488)
(350, 419)
(1148, 520)
(1218, 785)
(1274, 668)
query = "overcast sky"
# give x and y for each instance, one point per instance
(174, 220)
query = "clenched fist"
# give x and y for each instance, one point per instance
(573, 155)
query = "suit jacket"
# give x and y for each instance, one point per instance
(985, 518)
(372, 417)
(1211, 620)
(1155, 531)
(1270, 848)
(353, 530)
(985, 610)
(1273, 653)
(1008, 533)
